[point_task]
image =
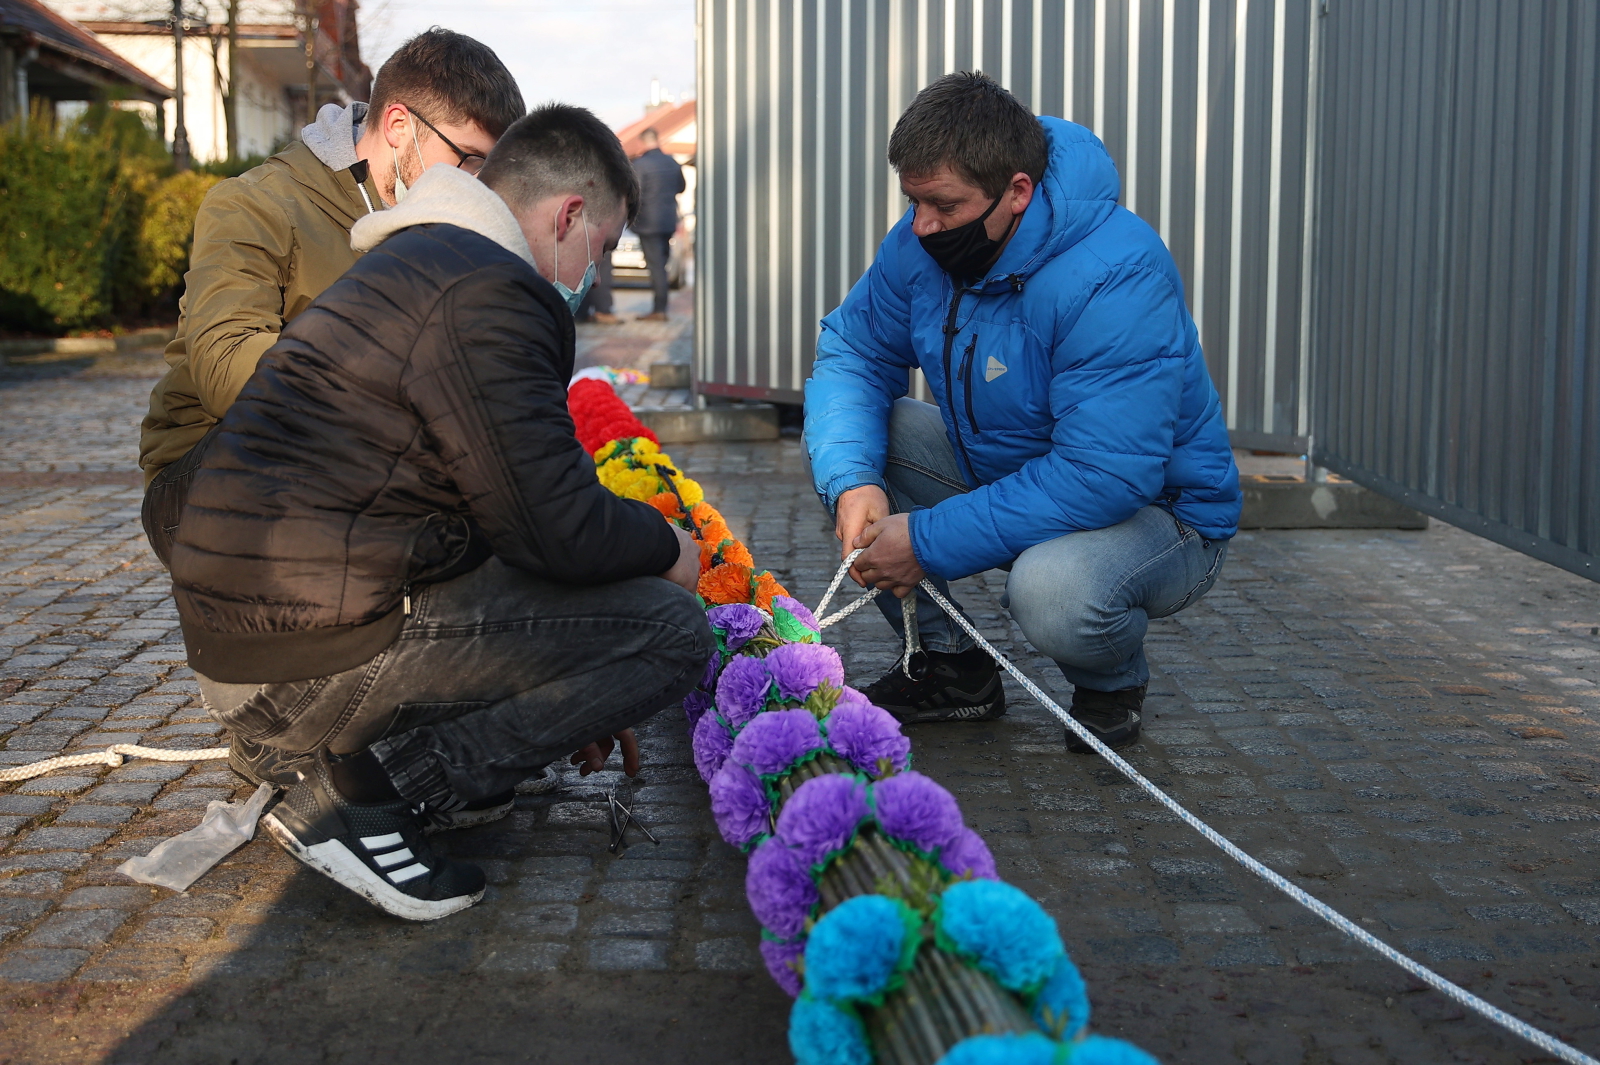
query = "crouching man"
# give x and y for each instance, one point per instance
(396, 557)
(1076, 438)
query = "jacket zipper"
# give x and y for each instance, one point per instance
(966, 374)
(950, 332)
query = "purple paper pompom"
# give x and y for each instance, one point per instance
(797, 668)
(822, 815)
(742, 689)
(695, 704)
(776, 740)
(968, 853)
(780, 959)
(848, 696)
(801, 612)
(740, 805)
(712, 742)
(780, 889)
(737, 623)
(915, 810)
(861, 734)
(708, 679)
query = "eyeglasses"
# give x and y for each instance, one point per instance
(471, 162)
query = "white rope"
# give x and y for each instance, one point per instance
(1542, 1040)
(112, 756)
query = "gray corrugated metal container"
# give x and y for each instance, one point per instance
(1457, 281)
(1201, 102)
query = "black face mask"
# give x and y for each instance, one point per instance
(965, 251)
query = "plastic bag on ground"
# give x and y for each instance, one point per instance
(180, 861)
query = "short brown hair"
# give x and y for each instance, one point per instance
(559, 149)
(449, 78)
(969, 122)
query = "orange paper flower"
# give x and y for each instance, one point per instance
(734, 551)
(727, 583)
(668, 505)
(767, 586)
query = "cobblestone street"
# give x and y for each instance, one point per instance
(1404, 723)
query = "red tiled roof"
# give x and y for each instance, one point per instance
(666, 120)
(58, 34)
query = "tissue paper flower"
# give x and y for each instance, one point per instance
(797, 668)
(739, 804)
(742, 689)
(862, 734)
(822, 816)
(712, 742)
(780, 889)
(773, 742)
(913, 809)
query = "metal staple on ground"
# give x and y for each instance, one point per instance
(1460, 995)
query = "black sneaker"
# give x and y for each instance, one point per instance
(377, 850)
(473, 814)
(1113, 717)
(942, 687)
(260, 764)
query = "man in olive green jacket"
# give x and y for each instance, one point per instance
(269, 242)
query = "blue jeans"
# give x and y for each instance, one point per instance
(1084, 599)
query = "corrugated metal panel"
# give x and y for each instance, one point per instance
(1203, 103)
(1458, 288)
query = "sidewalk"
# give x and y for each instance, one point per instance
(1404, 723)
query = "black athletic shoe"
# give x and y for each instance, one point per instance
(260, 764)
(942, 687)
(377, 850)
(473, 814)
(1113, 717)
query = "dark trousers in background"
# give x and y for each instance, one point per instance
(598, 301)
(657, 248)
(496, 674)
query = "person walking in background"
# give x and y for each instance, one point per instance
(597, 306)
(660, 182)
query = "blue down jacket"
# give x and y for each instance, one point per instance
(1071, 380)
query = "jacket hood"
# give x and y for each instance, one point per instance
(1078, 192)
(332, 137)
(453, 197)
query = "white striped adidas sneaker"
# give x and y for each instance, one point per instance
(377, 850)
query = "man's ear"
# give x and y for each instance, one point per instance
(1021, 192)
(567, 215)
(392, 124)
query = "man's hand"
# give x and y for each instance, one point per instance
(592, 758)
(685, 572)
(888, 561)
(854, 511)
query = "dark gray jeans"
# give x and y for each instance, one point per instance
(495, 674)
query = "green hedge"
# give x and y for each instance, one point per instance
(93, 222)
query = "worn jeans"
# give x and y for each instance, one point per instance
(1084, 599)
(495, 674)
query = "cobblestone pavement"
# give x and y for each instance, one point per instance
(1401, 722)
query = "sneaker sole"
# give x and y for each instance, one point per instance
(334, 861)
(908, 716)
(1077, 746)
(472, 818)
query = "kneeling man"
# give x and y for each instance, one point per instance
(1077, 439)
(396, 557)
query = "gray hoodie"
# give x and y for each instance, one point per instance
(332, 137)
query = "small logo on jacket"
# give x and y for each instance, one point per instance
(994, 369)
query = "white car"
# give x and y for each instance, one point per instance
(627, 262)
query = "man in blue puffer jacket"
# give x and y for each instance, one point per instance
(1077, 439)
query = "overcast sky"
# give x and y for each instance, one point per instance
(597, 53)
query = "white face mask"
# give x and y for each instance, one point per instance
(400, 189)
(574, 297)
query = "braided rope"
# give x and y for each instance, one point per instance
(112, 756)
(1460, 995)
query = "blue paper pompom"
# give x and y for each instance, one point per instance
(857, 948)
(1002, 929)
(1029, 1049)
(1062, 1008)
(821, 1033)
(1098, 1050)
